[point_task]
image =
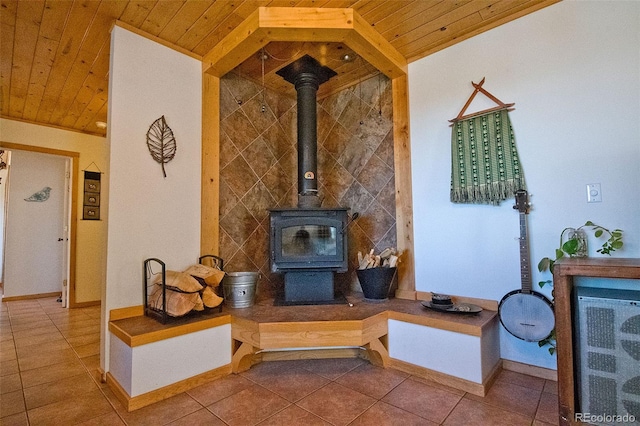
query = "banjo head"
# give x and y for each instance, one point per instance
(527, 316)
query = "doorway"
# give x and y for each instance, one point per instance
(40, 224)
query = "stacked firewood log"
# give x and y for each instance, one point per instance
(387, 258)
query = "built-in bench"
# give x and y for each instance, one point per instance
(150, 361)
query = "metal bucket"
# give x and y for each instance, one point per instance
(239, 289)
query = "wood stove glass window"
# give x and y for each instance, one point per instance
(309, 240)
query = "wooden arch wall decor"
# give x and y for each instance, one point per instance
(345, 26)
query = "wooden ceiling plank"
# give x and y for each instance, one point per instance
(80, 17)
(43, 61)
(54, 18)
(385, 10)
(94, 88)
(9, 10)
(28, 18)
(498, 8)
(457, 31)
(213, 38)
(77, 106)
(100, 28)
(417, 24)
(208, 22)
(136, 12)
(183, 20)
(367, 7)
(391, 29)
(452, 32)
(96, 111)
(7, 30)
(158, 18)
(72, 85)
(96, 38)
(451, 15)
(88, 117)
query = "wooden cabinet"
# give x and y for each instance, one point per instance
(564, 272)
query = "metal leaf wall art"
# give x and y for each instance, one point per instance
(161, 143)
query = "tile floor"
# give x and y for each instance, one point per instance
(49, 358)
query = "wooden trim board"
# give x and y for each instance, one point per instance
(136, 402)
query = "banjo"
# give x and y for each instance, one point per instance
(524, 313)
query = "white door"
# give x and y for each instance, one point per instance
(35, 234)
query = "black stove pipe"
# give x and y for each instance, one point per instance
(306, 74)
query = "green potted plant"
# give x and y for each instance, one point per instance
(573, 243)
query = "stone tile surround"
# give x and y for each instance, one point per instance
(258, 163)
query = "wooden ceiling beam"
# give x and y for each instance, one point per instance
(269, 24)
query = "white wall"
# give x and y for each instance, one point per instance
(573, 71)
(150, 215)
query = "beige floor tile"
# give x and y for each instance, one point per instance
(286, 379)
(551, 387)
(521, 379)
(548, 409)
(219, 389)
(331, 368)
(71, 411)
(109, 419)
(201, 417)
(67, 388)
(162, 412)
(511, 397)
(11, 403)
(10, 383)
(46, 358)
(46, 347)
(371, 380)
(382, 413)
(426, 401)
(90, 349)
(473, 413)
(337, 404)
(38, 340)
(84, 339)
(7, 351)
(9, 366)
(248, 407)
(51, 373)
(294, 415)
(19, 419)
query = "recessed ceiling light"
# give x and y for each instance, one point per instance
(101, 125)
(348, 57)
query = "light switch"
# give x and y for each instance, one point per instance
(594, 195)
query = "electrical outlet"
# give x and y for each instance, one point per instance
(594, 194)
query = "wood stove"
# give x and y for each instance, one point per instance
(308, 246)
(309, 243)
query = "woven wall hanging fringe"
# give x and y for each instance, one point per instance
(485, 165)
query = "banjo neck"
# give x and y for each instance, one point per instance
(525, 275)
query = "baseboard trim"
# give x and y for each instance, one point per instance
(479, 389)
(74, 305)
(530, 370)
(30, 296)
(136, 402)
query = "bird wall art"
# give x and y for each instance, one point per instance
(40, 196)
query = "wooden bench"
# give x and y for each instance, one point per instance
(384, 333)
